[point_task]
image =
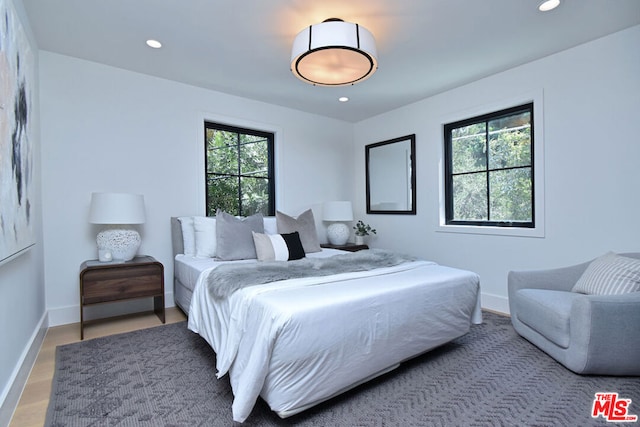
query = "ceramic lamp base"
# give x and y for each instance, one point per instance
(338, 233)
(118, 244)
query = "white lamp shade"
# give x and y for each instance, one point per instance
(116, 208)
(338, 211)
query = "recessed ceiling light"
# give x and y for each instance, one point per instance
(548, 5)
(154, 44)
(343, 99)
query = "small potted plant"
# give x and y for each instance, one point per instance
(362, 230)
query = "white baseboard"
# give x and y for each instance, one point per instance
(495, 303)
(64, 315)
(13, 390)
(71, 314)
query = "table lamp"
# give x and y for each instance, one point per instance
(338, 213)
(119, 242)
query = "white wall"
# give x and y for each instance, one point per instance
(22, 295)
(591, 110)
(107, 129)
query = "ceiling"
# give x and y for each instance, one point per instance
(243, 47)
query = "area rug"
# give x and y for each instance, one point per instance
(165, 376)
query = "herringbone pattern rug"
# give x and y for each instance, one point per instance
(165, 376)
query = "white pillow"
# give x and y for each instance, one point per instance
(205, 236)
(188, 235)
(610, 274)
(270, 225)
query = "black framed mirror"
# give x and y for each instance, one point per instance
(391, 176)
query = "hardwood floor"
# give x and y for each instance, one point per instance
(32, 408)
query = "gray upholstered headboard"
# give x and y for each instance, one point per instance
(176, 237)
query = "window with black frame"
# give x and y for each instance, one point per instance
(239, 170)
(489, 170)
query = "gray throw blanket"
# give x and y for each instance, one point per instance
(228, 278)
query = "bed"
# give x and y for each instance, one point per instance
(300, 341)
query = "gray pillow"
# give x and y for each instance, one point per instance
(233, 236)
(610, 274)
(305, 225)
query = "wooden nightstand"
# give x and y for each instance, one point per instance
(351, 247)
(104, 282)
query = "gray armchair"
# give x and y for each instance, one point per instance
(589, 334)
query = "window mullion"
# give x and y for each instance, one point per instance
(486, 159)
(239, 169)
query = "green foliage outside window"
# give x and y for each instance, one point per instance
(239, 170)
(490, 169)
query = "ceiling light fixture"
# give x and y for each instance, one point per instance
(548, 5)
(343, 99)
(154, 44)
(334, 53)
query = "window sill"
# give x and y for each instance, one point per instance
(537, 232)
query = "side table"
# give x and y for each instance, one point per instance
(108, 282)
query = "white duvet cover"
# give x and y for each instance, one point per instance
(299, 342)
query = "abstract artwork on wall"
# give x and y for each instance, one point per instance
(17, 76)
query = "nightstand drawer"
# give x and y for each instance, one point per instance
(121, 283)
(142, 277)
(113, 284)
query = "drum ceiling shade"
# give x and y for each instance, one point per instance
(334, 53)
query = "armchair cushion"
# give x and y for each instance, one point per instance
(547, 312)
(610, 274)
